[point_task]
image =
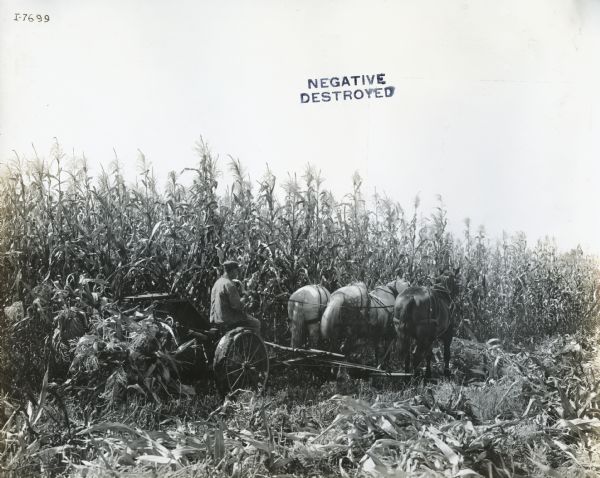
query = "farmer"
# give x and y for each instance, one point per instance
(226, 309)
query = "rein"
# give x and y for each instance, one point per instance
(383, 306)
(379, 301)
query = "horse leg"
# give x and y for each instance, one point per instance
(385, 345)
(423, 347)
(407, 351)
(404, 341)
(344, 348)
(378, 355)
(447, 342)
(314, 335)
(428, 366)
(297, 326)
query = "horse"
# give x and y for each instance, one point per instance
(346, 315)
(424, 314)
(305, 308)
(353, 312)
(381, 314)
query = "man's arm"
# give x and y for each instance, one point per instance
(235, 302)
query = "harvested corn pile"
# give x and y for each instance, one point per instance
(532, 412)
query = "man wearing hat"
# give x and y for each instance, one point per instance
(226, 309)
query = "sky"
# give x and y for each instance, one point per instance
(496, 104)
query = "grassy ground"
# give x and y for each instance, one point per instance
(530, 411)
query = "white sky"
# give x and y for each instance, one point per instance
(496, 105)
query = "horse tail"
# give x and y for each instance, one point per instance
(332, 317)
(402, 311)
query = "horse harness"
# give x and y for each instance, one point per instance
(320, 305)
(386, 289)
(388, 308)
(363, 307)
(378, 300)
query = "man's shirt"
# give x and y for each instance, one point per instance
(225, 302)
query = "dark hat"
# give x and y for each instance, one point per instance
(230, 265)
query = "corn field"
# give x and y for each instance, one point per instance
(72, 245)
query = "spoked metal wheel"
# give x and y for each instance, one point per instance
(241, 362)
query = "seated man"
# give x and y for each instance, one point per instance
(226, 308)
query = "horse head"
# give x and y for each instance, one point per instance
(447, 282)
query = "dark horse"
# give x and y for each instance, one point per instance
(353, 313)
(424, 314)
(305, 309)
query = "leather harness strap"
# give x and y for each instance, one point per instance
(363, 307)
(379, 301)
(386, 289)
(319, 305)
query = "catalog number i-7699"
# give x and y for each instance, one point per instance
(31, 17)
